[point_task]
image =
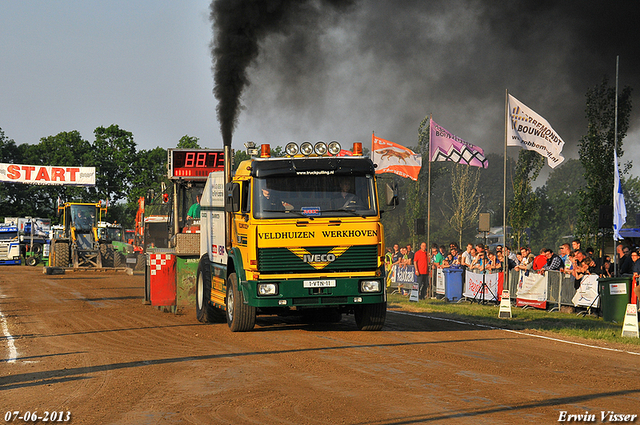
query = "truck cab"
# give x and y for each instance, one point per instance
(9, 244)
(303, 237)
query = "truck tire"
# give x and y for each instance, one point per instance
(371, 317)
(240, 316)
(61, 254)
(205, 311)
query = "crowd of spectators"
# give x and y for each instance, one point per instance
(571, 259)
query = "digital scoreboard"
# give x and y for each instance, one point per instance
(194, 164)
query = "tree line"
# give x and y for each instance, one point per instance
(565, 206)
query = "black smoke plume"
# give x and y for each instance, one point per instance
(239, 28)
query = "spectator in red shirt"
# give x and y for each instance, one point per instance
(421, 263)
(540, 261)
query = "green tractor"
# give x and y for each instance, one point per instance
(113, 236)
(78, 243)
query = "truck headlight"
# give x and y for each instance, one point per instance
(369, 286)
(291, 149)
(306, 148)
(334, 148)
(320, 148)
(267, 289)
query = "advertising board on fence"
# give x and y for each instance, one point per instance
(440, 289)
(406, 274)
(587, 294)
(532, 290)
(473, 285)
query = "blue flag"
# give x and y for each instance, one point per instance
(619, 209)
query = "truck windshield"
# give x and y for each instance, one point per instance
(83, 217)
(7, 235)
(114, 234)
(314, 196)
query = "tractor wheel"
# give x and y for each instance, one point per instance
(106, 252)
(205, 311)
(141, 260)
(240, 316)
(61, 254)
(118, 259)
(32, 260)
(371, 317)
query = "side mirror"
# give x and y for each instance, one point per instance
(392, 194)
(232, 200)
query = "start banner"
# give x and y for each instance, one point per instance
(47, 174)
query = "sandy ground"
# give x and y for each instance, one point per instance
(85, 343)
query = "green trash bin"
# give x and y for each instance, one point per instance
(615, 294)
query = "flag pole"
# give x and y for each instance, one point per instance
(430, 289)
(504, 186)
(615, 159)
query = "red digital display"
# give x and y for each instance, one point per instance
(194, 163)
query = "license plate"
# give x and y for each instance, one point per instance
(318, 283)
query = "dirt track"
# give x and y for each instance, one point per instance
(86, 344)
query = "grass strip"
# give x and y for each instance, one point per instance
(588, 327)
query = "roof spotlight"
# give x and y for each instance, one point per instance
(320, 148)
(306, 148)
(291, 149)
(334, 148)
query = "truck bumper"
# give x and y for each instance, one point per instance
(292, 293)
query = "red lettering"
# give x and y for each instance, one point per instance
(72, 173)
(43, 174)
(27, 169)
(14, 172)
(57, 174)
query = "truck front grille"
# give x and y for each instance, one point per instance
(300, 260)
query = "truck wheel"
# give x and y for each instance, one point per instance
(205, 311)
(370, 317)
(61, 254)
(240, 316)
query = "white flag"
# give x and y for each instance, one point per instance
(619, 209)
(532, 132)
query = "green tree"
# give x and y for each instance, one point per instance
(631, 189)
(524, 205)
(465, 204)
(596, 153)
(188, 142)
(559, 204)
(66, 148)
(114, 152)
(11, 194)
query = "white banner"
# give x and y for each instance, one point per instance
(588, 292)
(473, 286)
(532, 289)
(47, 174)
(532, 132)
(440, 289)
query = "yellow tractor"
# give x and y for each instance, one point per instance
(78, 244)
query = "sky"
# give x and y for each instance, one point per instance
(328, 73)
